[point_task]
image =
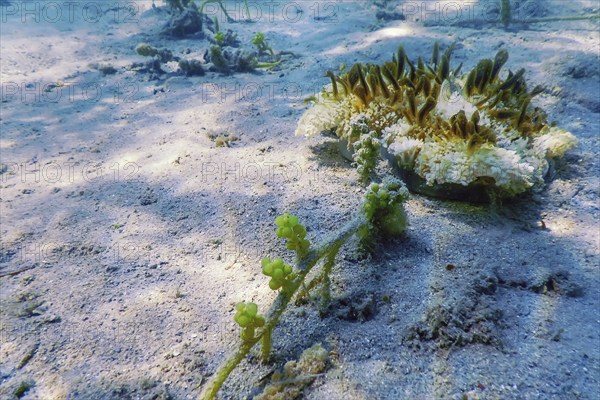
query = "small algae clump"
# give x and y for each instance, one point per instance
(23, 388)
(164, 55)
(144, 49)
(281, 274)
(229, 60)
(296, 375)
(289, 228)
(440, 128)
(382, 214)
(248, 319)
(191, 67)
(383, 207)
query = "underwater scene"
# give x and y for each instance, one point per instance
(316, 199)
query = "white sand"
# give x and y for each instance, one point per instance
(143, 234)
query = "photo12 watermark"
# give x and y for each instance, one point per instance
(91, 12)
(123, 253)
(269, 11)
(253, 92)
(467, 11)
(59, 91)
(111, 335)
(255, 172)
(129, 12)
(53, 172)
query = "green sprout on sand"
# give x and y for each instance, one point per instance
(263, 48)
(505, 12)
(259, 41)
(219, 38)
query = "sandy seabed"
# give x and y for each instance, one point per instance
(128, 234)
